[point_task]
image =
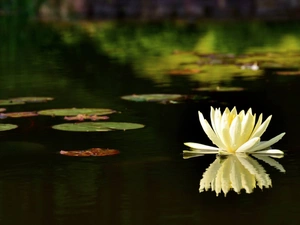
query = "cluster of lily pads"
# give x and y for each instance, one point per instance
(70, 114)
(177, 98)
(241, 64)
(76, 117)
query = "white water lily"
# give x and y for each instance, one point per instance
(234, 132)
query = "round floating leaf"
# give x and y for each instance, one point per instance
(97, 126)
(90, 152)
(154, 97)
(32, 99)
(2, 109)
(10, 102)
(220, 89)
(20, 114)
(7, 126)
(76, 111)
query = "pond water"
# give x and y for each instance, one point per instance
(94, 64)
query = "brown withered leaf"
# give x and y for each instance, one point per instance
(20, 114)
(82, 117)
(90, 152)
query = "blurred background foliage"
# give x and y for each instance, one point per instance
(209, 50)
(156, 48)
(152, 9)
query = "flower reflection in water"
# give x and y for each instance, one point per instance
(236, 136)
(238, 171)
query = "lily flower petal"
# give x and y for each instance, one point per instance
(248, 145)
(212, 118)
(262, 128)
(258, 123)
(266, 144)
(200, 146)
(270, 152)
(247, 126)
(217, 119)
(199, 152)
(210, 133)
(235, 132)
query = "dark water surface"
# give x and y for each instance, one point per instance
(149, 182)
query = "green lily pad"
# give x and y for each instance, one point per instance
(90, 152)
(97, 126)
(10, 102)
(20, 114)
(153, 97)
(7, 126)
(76, 111)
(32, 99)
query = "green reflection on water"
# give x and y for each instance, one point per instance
(213, 52)
(155, 49)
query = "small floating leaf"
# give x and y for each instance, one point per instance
(20, 114)
(10, 102)
(76, 111)
(97, 126)
(2, 109)
(219, 89)
(32, 99)
(90, 152)
(153, 97)
(7, 126)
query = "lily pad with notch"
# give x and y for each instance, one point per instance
(76, 111)
(161, 98)
(7, 126)
(97, 126)
(90, 152)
